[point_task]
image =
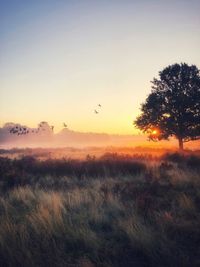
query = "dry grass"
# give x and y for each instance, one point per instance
(144, 214)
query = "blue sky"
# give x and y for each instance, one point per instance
(59, 59)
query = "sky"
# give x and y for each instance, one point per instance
(60, 59)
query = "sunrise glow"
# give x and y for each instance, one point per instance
(154, 132)
(99, 133)
(60, 59)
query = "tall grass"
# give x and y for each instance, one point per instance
(111, 211)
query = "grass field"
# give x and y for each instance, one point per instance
(115, 210)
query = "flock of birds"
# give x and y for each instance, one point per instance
(22, 130)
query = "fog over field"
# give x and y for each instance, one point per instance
(45, 137)
(99, 133)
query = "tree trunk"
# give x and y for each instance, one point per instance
(180, 142)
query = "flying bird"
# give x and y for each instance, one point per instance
(96, 112)
(65, 125)
(100, 105)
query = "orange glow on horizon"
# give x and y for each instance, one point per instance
(155, 132)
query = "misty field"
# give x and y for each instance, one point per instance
(116, 210)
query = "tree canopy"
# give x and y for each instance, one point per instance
(173, 106)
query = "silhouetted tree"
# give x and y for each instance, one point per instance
(173, 106)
